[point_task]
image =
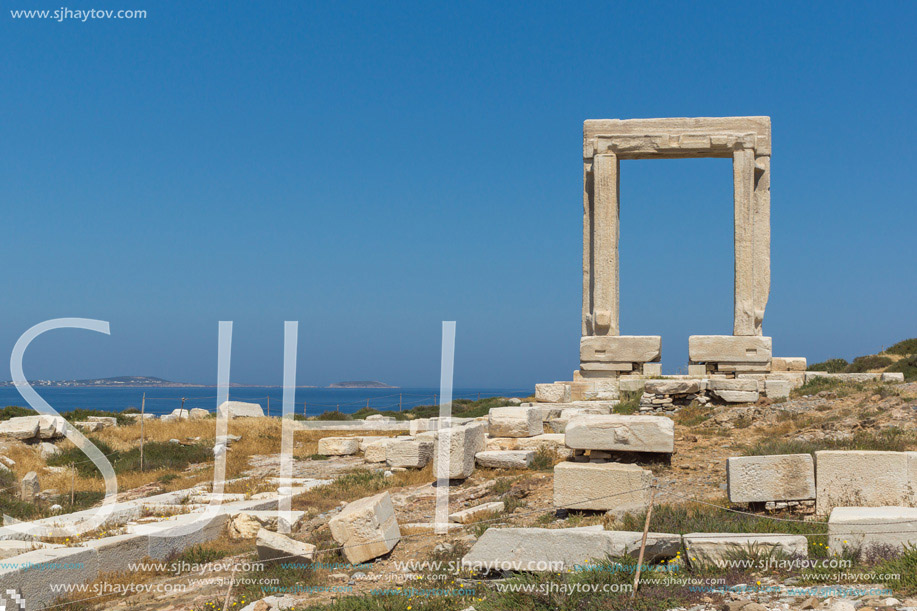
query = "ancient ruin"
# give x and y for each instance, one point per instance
(604, 351)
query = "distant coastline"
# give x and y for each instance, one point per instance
(129, 382)
(361, 384)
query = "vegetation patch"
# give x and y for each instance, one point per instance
(892, 439)
(862, 364)
(830, 366)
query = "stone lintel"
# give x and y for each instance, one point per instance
(729, 349)
(676, 137)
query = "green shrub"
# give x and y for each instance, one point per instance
(862, 364)
(630, 403)
(904, 348)
(907, 366)
(830, 366)
(14, 411)
(335, 415)
(156, 455)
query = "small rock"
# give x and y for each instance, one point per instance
(29, 488)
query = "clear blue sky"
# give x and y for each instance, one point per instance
(373, 169)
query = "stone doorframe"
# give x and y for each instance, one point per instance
(747, 140)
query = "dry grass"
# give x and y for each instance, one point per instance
(259, 437)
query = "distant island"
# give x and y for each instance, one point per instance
(138, 382)
(363, 384)
(117, 381)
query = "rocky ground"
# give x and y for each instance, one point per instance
(847, 416)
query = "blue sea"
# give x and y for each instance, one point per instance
(311, 401)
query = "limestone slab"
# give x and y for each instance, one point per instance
(375, 451)
(672, 387)
(621, 433)
(602, 486)
(729, 348)
(514, 422)
(871, 528)
(338, 446)
(863, 478)
(755, 479)
(274, 548)
(505, 459)
(621, 348)
(472, 514)
(366, 528)
(457, 446)
(239, 409)
(706, 548)
(550, 393)
(561, 549)
(409, 454)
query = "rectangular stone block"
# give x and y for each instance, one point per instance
(605, 486)
(375, 451)
(672, 387)
(594, 390)
(367, 528)
(706, 548)
(453, 454)
(777, 389)
(114, 553)
(338, 446)
(550, 393)
(505, 459)
(631, 384)
(621, 348)
(561, 549)
(759, 479)
(895, 377)
(789, 363)
(871, 529)
(621, 433)
(697, 371)
(587, 369)
(514, 422)
(729, 349)
(472, 514)
(32, 574)
(862, 478)
(413, 454)
(652, 369)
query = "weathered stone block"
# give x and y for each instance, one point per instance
(239, 409)
(561, 549)
(505, 459)
(22, 427)
(514, 422)
(366, 528)
(871, 528)
(788, 363)
(31, 574)
(672, 387)
(621, 433)
(862, 478)
(472, 514)
(777, 389)
(550, 393)
(895, 377)
(729, 348)
(413, 454)
(375, 451)
(705, 548)
(697, 371)
(338, 446)
(754, 479)
(275, 548)
(115, 553)
(652, 369)
(459, 444)
(621, 348)
(603, 486)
